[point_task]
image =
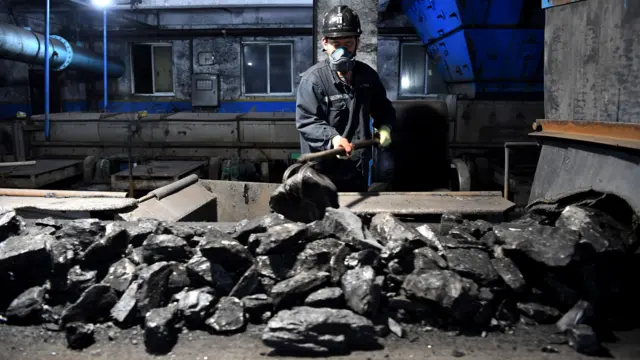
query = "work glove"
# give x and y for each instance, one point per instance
(384, 136)
(339, 141)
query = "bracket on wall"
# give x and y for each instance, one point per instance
(551, 3)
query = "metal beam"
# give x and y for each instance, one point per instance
(202, 4)
(117, 17)
(625, 135)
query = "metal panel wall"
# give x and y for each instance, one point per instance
(592, 61)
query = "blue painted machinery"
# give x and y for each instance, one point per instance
(487, 46)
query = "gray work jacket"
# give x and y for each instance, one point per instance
(327, 107)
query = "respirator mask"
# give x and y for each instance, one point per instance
(341, 60)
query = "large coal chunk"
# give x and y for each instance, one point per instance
(427, 259)
(257, 307)
(79, 336)
(164, 248)
(79, 280)
(247, 284)
(345, 225)
(228, 316)
(154, 290)
(305, 196)
(448, 221)
(203, 272)
(445, 288)
(120, 275)
(93, 306)
(160, 330)
(332, 297)
(124, 311)
(320, 331)
(542, 314)
(27, 307)
(597, 228)
(228, 253)
(472, 263)
(550, 246)
(10, 223)
(510, 273)
(140, 230)
(397, 238)
(196, 306)
(316, 256)
(108, 248)
(21, 252)
(431, 237)
(85, 231)
(258, 225)
(277, 239)
(584, 340)
(361, 291)
(581, 313)
(295, 289)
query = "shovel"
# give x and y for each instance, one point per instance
(308, 160)
(305, 194)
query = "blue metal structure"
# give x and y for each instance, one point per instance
(551, 3)
(47, 34)
(104, 56)
(495, 45)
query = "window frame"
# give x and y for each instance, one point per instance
(268, 44)
(153, 69)
(426, 69)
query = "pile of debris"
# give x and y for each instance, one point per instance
(333, 285)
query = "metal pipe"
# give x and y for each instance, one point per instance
(47, 65)
(104, 56)
(507, 146)
(314, 37)
(60, 193)
(17, 163)
(209, 4)
(23, 45)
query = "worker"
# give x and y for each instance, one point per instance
(336, 100)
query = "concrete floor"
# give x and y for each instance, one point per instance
(34, 343)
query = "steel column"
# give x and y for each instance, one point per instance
(104, 56)
(47, 34)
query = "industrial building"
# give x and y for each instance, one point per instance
(217, 84)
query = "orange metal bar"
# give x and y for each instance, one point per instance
(608, 133)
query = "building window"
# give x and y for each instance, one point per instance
(152, 69)
(267, 68)
(413, 69)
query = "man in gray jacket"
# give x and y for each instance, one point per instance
(336, 100)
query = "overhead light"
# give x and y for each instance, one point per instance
(101, 3)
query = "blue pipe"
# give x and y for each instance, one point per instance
(104, 56)
(46, 74)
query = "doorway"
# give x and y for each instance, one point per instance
(37, 93)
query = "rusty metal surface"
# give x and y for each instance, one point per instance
(608, 133)
(240, 200)
(44, 172)
(157, 174)
(427, 203)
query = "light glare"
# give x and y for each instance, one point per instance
(101, 3)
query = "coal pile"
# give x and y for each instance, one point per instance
(330, 286)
